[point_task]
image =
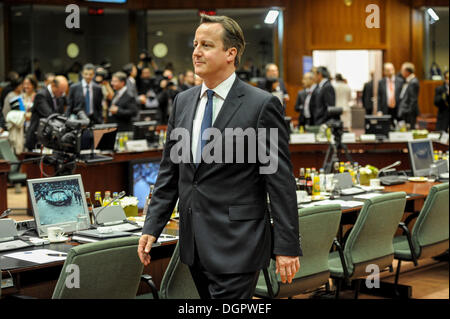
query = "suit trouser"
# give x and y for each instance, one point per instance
(222, 286)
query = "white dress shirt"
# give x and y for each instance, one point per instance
(220, 94)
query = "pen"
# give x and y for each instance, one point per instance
(57, 255)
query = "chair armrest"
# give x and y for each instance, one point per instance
(268, 283)
(406, 232)
(341, 256)
(149, 280)
(410, 218)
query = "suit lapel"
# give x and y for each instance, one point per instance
(191, 108)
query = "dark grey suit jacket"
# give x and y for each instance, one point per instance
(223, 206)
(77, 102)
(382, 98)
(321, 100)
(300, 106)
(409, 106)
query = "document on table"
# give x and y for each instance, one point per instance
(343, 203)
(38, 256)
(162, 238)
(367, 196)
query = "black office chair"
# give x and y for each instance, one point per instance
(15, 176)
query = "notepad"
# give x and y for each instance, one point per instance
(38, 256)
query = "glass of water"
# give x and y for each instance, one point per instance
(82, 222)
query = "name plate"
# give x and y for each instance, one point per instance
(444, 138)
(400, 136)
(434, 136)
(303, 138)
(136, 145)
(368, 137)
(349, 138)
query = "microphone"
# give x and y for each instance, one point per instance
(5, 213)
(389, 168)
(121, 194)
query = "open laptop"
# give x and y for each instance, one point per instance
(345, 183)
(9, 237)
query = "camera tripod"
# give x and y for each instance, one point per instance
(336, 148)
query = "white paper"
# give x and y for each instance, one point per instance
(367, 196)
(38, 256)
(343, 203)
(303, 138)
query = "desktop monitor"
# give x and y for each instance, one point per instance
(57, 201)
(142, 175)
(106, 140)
(145, 130)
(421, 156)
(379, 125)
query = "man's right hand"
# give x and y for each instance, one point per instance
(145, 244)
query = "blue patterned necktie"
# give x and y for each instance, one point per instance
(206, 123)
(88, 101)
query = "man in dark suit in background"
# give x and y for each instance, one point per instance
(302, 105)
(324, 96)
(367, 95)
(408, 107)
(86, 96)
(47, 101)
(273, 83)
(123, 105)
(441, 98)
(388, 92)
(225, 230)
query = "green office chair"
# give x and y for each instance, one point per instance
(108, 269)
(429, 236)
(370, 241)
(318, 227)
(14, 176)
(177, 282)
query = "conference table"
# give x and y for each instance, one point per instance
(39, 280)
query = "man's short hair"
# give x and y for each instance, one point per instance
(408, 66)
(324, 71)
(268, 65)
(127, 68)
(232, 37)
(121, 76)
(89, 67)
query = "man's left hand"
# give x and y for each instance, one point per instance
(287, 267)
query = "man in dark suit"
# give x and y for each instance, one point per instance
(367, 95)
(324, 96)
(86, 96)
(388, 92)
(441, 98)
(302, 105)
(47, 101)
(123, 105)
(225, 230)
(408, 107)
(273, 83)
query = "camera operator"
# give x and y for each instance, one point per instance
(146, 90)
(167, 92)
(87, 96)
(49, 100)
(123, 106)
(145, 61)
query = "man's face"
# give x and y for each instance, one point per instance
(209, 57)
(116, 83)
(189, 78)
(308, 81)
(88, 75)
(389, 70)
(272, 72)
(60, 90)
(405, 73)
(146, 74)
(317, 77)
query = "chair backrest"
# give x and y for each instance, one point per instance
(318, 226)
(107, 269)
(431, 227)
(177, 282)
(371, 239)
(7, 153)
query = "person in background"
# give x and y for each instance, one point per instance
(86, 96)
(30, 87)
(12, 75)
(388, 95)
(146, 91)
(408, 108)
(168, 89)
(48, 78)
(302, 105)
(189, 80)
(273, 83)
(367, 95)
(131, 71)
(324, 96)
(123, 105)
(441, 98)
(343, 99)
(15, 120)
(16, 92)
(108, 93)
(48, 101)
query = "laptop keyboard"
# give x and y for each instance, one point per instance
(13, 244)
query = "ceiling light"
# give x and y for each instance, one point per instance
(271, 16)
(432, 14)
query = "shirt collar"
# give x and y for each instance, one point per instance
(122, 90)
(222, 89)
(322, 83)
(49, 87)
(410, 77)
(84, 83)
